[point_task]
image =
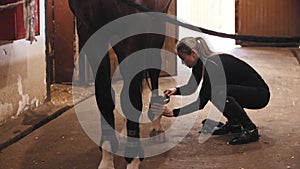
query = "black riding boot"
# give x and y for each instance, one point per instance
(232, 125)
(250, 131)
(228, 127)
(246, 137)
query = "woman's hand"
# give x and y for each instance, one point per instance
(160, 109)
(170, 91)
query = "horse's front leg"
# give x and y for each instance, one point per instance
(131, 103)
(107, 161)
(157, 133)
(134, 152)
(104, 98)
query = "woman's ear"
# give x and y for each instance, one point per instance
(195, 53)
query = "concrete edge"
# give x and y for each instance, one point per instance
(30, 128)
(13, 136)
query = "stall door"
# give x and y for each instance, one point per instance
(268, 18)
(61, 39)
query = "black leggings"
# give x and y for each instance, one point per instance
(249, 97)
(240, 97)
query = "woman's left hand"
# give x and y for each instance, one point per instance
(160, 109)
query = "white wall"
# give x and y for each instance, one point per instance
(23, 74)
(217, 15)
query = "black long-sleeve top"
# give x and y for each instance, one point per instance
(220, 70)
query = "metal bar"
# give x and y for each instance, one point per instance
(48, 55)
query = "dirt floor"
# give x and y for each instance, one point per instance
(63, 143)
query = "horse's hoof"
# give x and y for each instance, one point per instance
(133, 150)
(107, 157)
(135, 163)
(157, 136)
(113, 142)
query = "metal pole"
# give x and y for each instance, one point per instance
(48, 55)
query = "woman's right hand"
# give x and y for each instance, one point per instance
(160, 109)
(170, 91)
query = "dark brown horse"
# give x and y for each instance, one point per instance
(92, 15)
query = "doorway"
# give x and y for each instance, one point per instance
(61, 37)
(217, 15)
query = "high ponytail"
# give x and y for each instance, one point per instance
(204, 48)
(199, 44)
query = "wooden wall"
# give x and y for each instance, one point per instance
(268, 18)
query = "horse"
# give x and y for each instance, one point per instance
(91, 16)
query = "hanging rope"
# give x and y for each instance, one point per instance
(29, 8)
(29, 20)
(265, 39)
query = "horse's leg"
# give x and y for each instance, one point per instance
(104, 97)
(107, 161)
(155, 61)
(133, 146)
(131, 104)
(155, 41)
(102, 85)
(157, 128)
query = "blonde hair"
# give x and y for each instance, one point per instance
(185, 45)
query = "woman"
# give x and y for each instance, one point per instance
(242, 87)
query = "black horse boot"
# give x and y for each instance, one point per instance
(230, 111)
(133, 148)
(108, 134)
(157, 99)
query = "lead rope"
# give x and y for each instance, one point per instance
(29, 20)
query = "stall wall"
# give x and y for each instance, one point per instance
(22, 73)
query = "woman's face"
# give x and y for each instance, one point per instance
(189, 60)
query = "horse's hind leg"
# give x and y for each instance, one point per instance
(104, 97)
